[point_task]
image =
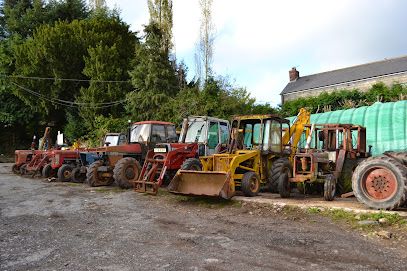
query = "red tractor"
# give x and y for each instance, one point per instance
(65, 162)
(121, 164)
(200, 136)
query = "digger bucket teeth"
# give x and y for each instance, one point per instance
(202, 183)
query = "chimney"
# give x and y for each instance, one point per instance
(294, 74)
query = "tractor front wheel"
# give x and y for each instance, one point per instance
(126, 172)
(65, 173)
(380, 183)
(329, 187)
(94, 178)
(250, 184)
(48, 171)
(77, 176)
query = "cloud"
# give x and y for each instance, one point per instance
(257, 42)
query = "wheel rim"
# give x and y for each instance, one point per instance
(67, 174)
(254, 184)
(380, 184)
(129, 173)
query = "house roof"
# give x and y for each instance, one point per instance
(350, 74)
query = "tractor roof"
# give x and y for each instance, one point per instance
(154, 122)
(260, 116)
(207, 118)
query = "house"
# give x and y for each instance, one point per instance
(360, 77)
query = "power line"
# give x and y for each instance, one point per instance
(69, 103)
(64, 79)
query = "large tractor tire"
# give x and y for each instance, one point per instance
(380, 183)
(94, 178)
(48, 171)
(65, 173)
(284, 185)
(399, 156)
(192, 164)
(126, 172)
(250, 184)
(77, 176)
(279, 167)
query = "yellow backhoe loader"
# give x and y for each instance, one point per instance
(258, 143)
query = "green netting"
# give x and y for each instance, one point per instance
(386, 124)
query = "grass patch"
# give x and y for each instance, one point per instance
(74, 184)
(109, 190)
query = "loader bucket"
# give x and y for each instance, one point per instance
(202, 183)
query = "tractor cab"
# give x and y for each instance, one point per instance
(114, 139)
(211, 134)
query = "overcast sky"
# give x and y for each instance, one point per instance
(258, 41)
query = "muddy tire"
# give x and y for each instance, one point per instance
(399, 156)
(329, 187)
(48, 171)
(250, 184)
(15, 169)
(77, 176)
(279, 167)
(126, 172)
(380, 183)
(94, 178)
(284, 186)
(192, 164)
(65, 173)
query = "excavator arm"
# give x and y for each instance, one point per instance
(293, 135)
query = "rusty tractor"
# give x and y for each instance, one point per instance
(331, 153)
(121, 164)
(200, 135)
(67, 163)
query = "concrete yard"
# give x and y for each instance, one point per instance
(63, 226)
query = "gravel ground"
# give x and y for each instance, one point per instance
(54, 226)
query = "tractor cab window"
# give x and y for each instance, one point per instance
(158, 133)
(196, 132)
(140, 133)
(122, 139)
(111, 140)
(213, 135)
(252, 135)
(171, 134)
(224, 133)
(272, 136)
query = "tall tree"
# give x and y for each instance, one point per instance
(204, 52)
(153, 77)
(161, 14)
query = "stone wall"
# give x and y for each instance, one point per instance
(361, 85)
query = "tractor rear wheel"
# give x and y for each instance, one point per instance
(284, 186)
(380, 183)
(77, 176)
(94, 178)
(15, 169)
(65, 173)
(192, 164)
(329, 187)
(250, 184)
(48, 171)
(279, 167)
(126, 172)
